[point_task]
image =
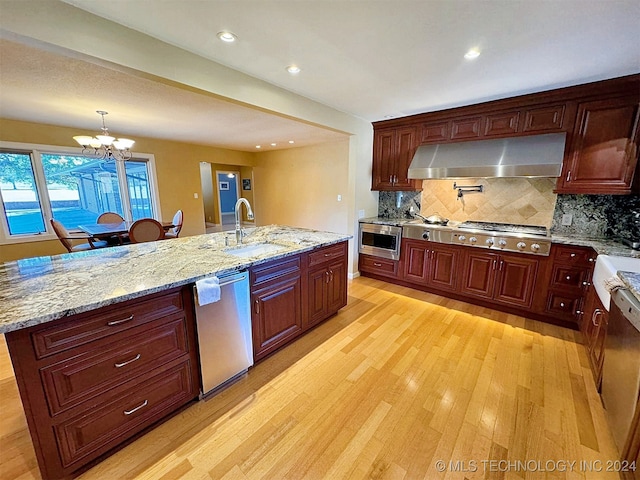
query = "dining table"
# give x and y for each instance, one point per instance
(114, 232)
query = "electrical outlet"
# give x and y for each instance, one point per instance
(339, 198)
(360, 214)
(567, 219)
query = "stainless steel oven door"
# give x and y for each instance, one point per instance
(380, 240)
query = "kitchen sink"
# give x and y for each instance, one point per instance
(606, 267)
(254, 249)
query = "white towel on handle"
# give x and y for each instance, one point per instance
(613, 283)
(208, 290)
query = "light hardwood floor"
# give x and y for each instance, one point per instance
(398, 380)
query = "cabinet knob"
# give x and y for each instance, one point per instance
(562, 304)
(592, 260)
(572, 255)
(568, 277)
(579, 312)
(586, 284)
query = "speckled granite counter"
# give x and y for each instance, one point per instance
(38, 290)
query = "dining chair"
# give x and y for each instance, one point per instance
(177, 221)
(67, 239)
(109, 217)
(146, 230)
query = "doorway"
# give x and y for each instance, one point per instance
(228, 188)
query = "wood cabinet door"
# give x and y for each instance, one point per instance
(443, 267)
(383, 159)
(318, 300)
(516, 280)
(277, 315)
(405, 149)
(337, 286)
(415, 261)
(479, 274)
(466, 128)
(501, 124)
(604, 150)
(434, 132)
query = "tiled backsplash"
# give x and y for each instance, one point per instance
(527, 201)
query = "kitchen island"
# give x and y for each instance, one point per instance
(103, 342)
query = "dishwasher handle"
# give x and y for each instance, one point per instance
(232, 281)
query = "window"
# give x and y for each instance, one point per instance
(40, 183)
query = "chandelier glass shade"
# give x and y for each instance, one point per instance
(104, 145)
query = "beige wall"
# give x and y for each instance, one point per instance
(300, 186)
(523, 201)
(101, 41)
(177, 169)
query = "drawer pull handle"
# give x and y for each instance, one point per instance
(327, 254)
(591, 260)
(118, 322)
(377, 264)
(133, 410)
(597, 312)
(120, 365)
(573, 255)
(257, 304)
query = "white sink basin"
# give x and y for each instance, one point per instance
(254, 250)
(606, 267)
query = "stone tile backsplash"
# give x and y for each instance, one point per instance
(526, 201)
(609, 216)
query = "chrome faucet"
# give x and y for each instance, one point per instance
(239, 232)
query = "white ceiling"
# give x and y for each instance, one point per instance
(369, 58)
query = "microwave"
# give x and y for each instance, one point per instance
(380, 240)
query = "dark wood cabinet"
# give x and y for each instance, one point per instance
(594, 330)
(378, 266)
(431, 264)
(603, 153)
(600, 120)
(327, 283)
(567, 278)
(276, 304)
(91, 381)
(393, 151)
(508, 279)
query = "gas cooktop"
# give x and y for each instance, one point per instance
(530, 239)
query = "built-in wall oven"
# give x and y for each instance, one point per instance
(380, 240)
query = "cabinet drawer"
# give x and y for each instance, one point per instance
(571, 255)
(379, 266)
(95, 432)
(326, 254)
(466, 128)
(275, 269)
(110, 320)
(544, 119)
(569, 276)
(501, 124)
(71, 381)
(563, 305)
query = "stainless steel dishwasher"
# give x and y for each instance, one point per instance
(224, 334)
(621, 368)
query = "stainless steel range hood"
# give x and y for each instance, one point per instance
(531, 156)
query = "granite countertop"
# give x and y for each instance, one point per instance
(42, 289)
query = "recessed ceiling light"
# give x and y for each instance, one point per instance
(227, 37)
(273, 144)
(258, 146)
(293, 69)
(291, 141)
(472, 53)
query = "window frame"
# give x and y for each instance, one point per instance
(35, 151)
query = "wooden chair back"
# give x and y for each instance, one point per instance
(109, 217)
(63, 234)
(146, 230)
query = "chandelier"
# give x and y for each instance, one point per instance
(104, 145)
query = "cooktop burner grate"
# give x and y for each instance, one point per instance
(505, 227)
